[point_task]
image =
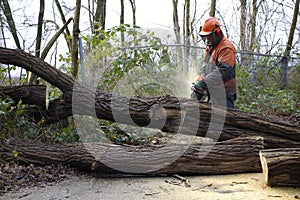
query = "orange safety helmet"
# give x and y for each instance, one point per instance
(209, 26)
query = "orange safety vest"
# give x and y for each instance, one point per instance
(223, 53)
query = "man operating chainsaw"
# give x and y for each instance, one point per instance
(218, 70)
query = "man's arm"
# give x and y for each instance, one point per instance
(224, 68)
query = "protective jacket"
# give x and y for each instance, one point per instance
(220, 61)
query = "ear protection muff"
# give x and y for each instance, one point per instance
(218, 31)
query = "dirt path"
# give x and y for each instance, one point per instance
(236, 186)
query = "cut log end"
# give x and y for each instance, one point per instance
(281, 167)
(264, 166)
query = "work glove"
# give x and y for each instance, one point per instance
(200, 85)
(199, 90)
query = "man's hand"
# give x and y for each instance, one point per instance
(200, 85)
(199, 90)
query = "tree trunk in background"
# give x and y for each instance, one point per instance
(245, 61)
(10, 21)
(187, 34)
(54, 39)
(12, 27)
(133, 7)
(243, 22)
(63, 19)
(212, 11)
(253, 41)
(76, 32)
(100, 15)
(40, 29)
(122, 20)
(286, 54)
(32, 78)
(177, 33)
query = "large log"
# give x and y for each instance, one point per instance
(179, 115)
(29, 94)
(281, 166)
(59, 109)
(232, 156)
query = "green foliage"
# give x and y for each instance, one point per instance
(64, 134)
(14, 124)
(130, 62)
(12, 121)
(264, 95)
(66, 63)
(138, 65)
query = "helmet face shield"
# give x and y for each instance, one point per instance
(208, 29)
(206, 40)
(205, 37)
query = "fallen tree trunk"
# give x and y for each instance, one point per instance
(281, 166)
(277, 135)
(29, 94)
(167, 113)
(232, 156)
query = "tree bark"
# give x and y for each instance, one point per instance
(32, 78)
(54, 39)
(133, 7)
(232, 156)
(100, 16)
(67, 34)
(12, 27)
(122, 20)
(237, 124)
(212, 11)
(243, 22)
(177, 34)
(29, 94)
(287, 51)
(76, 32)
(281, 166)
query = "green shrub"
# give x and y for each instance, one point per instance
(264, 96)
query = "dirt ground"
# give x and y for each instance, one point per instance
(83, 186)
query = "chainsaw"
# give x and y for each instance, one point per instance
(200, 94)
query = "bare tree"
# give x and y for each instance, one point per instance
(253, 39)
(12, 27)
(32, 79)
(176, 21)
(212, 11)
(76, 32)
(122, 21)
(177, 32)
(187, 34)
(286, 54)
(67, 31)
(39, 29)
(100, 15)
(133, 7)
(7, 12)
(243, 22)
